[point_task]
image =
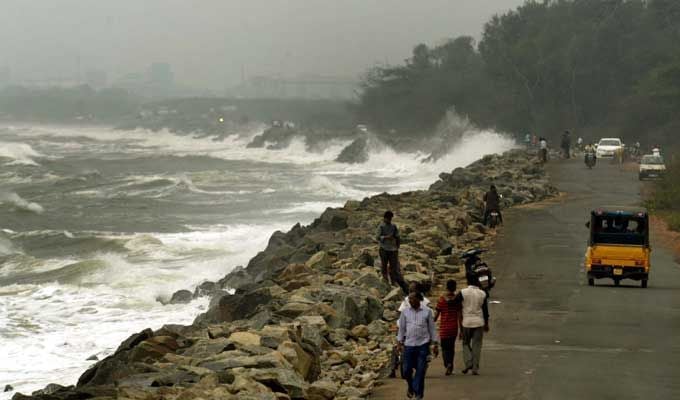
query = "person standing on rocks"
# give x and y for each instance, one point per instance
(475, 322)
(416, 334)
(543, 150)
(388, 237)
(451, 319)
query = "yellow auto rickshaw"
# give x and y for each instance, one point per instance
(618, 247)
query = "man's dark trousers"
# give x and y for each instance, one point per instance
(390, 265)
(415, 357)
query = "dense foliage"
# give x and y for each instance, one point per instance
(606, 67)
(666, 194)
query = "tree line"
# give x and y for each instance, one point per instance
(598, 68)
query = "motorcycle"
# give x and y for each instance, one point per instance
(475, 265)
(494, 219)
(590, 160)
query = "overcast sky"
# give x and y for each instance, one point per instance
(209, 42)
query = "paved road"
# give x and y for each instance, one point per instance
(554, 337)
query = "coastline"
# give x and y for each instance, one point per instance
(311, 316)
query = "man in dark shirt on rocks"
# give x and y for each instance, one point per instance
(388, 237)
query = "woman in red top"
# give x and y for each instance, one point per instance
(452, 317)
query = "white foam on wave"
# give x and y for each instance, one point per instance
(410, 171)
(54, 328)
(20, 153)
(20, 203)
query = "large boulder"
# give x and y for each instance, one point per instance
(235, 307)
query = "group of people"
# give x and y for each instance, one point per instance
(461, 314)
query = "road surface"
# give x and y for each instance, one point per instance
(553, 336)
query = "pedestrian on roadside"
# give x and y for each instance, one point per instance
(414, 287)
(451, 319)
(475, 322)
(543, 148)
(388, 237)
(566, 144)
(416, 334)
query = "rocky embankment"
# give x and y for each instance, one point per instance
(311, 316)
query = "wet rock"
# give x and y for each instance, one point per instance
(207, 289)
(235, 279)
(8, 388)
(181, 297)
(92, 358)
(235, 307)
(319, 262)
(134, 340)
(354, 153)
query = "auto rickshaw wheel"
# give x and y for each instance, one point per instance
(591, 282)
(644, 283)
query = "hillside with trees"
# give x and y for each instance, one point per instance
(599, 68)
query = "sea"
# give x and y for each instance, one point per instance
(97, 225)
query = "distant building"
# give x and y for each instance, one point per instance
(96, 79)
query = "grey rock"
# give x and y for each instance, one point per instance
(181, 297)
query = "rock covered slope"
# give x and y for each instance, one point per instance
(311, 316)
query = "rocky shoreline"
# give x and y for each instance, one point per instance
(311, 317)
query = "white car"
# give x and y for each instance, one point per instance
(608, 147)
(652, 167)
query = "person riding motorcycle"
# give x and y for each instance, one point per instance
(590, 157)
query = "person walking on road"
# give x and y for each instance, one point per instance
(543, 150)
(451, 319)
(388, 237)
(475, 322)
(566, 144)
(492, 202)
(415, 336)
(413, 287)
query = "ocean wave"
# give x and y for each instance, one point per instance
(20, 203)
(19, 153)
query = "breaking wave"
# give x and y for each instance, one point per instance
(20, 203)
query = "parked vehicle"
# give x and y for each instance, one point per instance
(618, 246)
(652, 167)
(475, 265)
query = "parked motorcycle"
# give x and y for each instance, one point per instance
(475, 265)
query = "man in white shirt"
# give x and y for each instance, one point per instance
(475, 322)
(416, 334)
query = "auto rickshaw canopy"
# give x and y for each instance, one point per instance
(614, 225)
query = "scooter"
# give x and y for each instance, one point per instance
(475, 265)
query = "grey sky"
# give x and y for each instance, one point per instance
(208, 41)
